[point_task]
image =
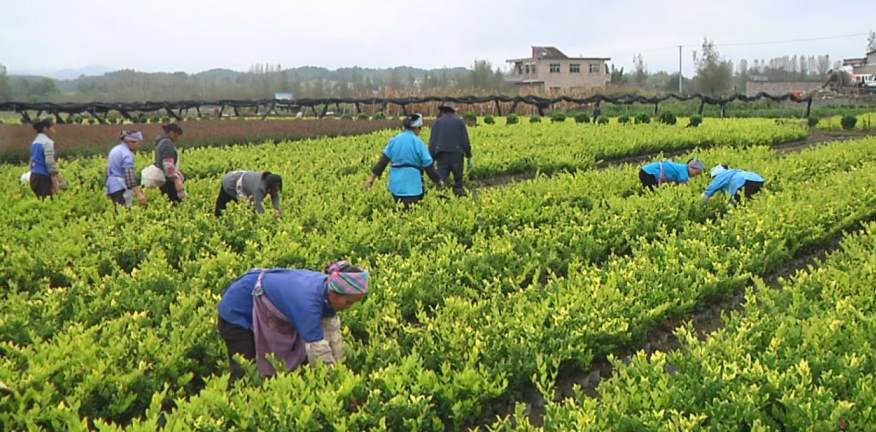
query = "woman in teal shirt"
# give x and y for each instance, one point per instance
(731, 181)
(409, 157)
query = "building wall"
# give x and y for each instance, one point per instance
(564, 81)
(779, 88)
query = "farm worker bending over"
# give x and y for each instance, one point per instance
(409, 157)
(658, 173)
(448, 143)
(121, 177)
(252, 185)
(167, 159)
(289, 313)
(44, 175)
(731, 181)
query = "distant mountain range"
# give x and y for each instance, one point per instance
(304, 73)
(64, 74)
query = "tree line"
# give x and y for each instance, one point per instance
(715, 75)
(261, 81)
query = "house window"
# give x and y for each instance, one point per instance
(555, 68)
(527, 69)
(594, 68)
(574, 68)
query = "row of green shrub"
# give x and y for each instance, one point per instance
(848, 121)
(559, 117)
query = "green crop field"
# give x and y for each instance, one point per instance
(108, 320)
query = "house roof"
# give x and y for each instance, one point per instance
(548, 53)
(854, 61)
(552, 53)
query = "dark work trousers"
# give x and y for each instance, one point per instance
(41, 185)
(169, 190)
(648, 180)
(750, 188)
(118, 197)
(238, 340)
(222, 201)
(451, 163)
(408, 201)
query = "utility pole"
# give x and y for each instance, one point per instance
(680, 76)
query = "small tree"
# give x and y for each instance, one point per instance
(582, 118)
(714, 75)
(695, 121)
(668, 118)
(558, 117)
(641, 69)
(848, 122)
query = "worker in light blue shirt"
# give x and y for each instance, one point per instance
(121, 177)
(731, 181)
(660, 173)
(409, 157)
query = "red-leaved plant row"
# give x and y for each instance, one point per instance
(84, 140)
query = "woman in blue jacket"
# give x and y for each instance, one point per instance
(660, 173)
(409, 157)
(289, 313)
(44, 174)
(731, 181)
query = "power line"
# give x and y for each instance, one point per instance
(773, 42)
(792, 40)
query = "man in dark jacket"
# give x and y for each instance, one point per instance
(448, 144)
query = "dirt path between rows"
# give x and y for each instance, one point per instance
(705, 320)
(815, 137)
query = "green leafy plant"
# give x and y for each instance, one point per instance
(512, 119)
(643, 119)
(558, 117)
(848, 122)
(582, 118)
(489, 120)
(535, 119)
(668, 118)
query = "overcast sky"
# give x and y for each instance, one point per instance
(191, 36)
